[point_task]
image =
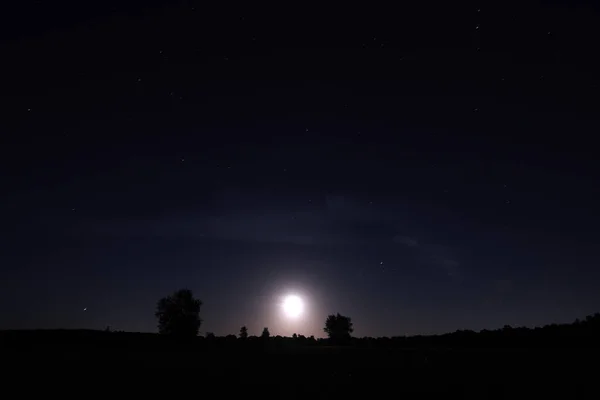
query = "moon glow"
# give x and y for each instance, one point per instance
(293, 306)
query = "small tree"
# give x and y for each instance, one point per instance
(265, 333)
(243, 332)
(179, 314)
(338, 327)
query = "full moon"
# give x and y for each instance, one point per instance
(293, 306)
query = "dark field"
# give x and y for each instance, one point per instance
(280, 367)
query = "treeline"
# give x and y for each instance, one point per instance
(579, 334)
(179, 322)
(179, 316)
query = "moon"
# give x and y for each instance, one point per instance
(293, 306)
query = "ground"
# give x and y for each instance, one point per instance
(321, 370)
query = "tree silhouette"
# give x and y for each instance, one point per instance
(230, 338)
(179, 314)
(265, 333)
(243, 332)
(338, 327)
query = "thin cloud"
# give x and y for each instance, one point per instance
(438, 256)
(343, 221)
(405, 240)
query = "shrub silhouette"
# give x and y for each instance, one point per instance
(265, 333)
(230, 338)
(179, 314)
(338, 327)
(243, 332)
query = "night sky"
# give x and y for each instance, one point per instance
(421, 168)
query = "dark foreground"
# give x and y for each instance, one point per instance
(279, 369)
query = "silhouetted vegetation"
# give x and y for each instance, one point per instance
(243, 332)
(265, 333)
(505, 355)
(338, 328)
(179, 314)
(463, 364)
(579, 334)
(231, 338)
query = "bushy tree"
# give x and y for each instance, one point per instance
(265, 333)
(179, 314)
(230, 338)
(338, 327)
(243, 332)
